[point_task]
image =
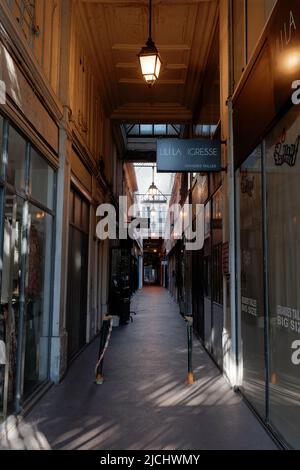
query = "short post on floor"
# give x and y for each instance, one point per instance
(105, 334)
(189, 324)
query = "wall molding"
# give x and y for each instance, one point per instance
(13, 39)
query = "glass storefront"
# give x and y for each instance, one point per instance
(213, 274)
(27, 201)
(270, 275)
(77, 273)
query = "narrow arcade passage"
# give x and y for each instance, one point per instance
(144, 403)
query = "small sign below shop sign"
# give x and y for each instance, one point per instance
(188, 155)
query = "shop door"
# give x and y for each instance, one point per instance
(120, 283)
(77, 274)
(198, 292)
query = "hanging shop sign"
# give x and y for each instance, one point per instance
(191, 155)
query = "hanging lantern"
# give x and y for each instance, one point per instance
(149, 58)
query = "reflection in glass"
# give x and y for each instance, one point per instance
(251, 287)
(283, 206)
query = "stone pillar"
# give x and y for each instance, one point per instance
(58, 363)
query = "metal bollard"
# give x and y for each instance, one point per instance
(189, 324)
(104, 340)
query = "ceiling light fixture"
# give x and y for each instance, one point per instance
(154, 195)
(149, 58)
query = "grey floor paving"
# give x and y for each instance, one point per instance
(144, 402)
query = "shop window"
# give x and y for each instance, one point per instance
(15, 166)
(77, 273)
(77, 290)
(38, 297)
(25, 273)
(251, 280)
(283, 224)
(41, 180)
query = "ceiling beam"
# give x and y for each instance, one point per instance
(153, 114)
(161, 47)
(134, 65)
(138, 81)
(139, 156)
(145, 2)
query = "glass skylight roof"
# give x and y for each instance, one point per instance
(152, 130)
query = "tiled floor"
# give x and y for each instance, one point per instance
(144, 402)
